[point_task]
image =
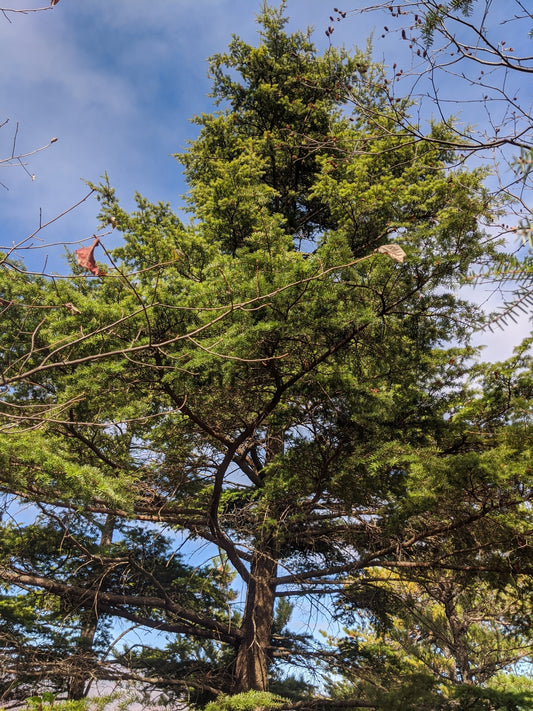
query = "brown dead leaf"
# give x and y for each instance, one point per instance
(85, 257)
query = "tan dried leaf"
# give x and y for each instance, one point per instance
(394, 251)
(72, 308)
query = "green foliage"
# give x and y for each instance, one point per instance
(47, 701)
(250, 701)
(261, 155)
(437, 641)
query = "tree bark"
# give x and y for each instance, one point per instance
(253, 654)
(254, 650)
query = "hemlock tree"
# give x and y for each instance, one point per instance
(267, 389)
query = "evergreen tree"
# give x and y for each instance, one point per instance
(269, 386)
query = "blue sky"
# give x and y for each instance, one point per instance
(116, 81)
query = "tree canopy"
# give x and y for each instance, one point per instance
(272, 402)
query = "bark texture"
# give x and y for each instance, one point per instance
(253, 655)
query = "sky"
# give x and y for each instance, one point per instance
(116, 82)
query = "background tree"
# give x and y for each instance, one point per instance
(464, 41)
(271, 383)
(439, 642)
(442, 639)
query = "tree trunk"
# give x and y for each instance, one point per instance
(80, 682)
(253, 654)
(254, 651)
